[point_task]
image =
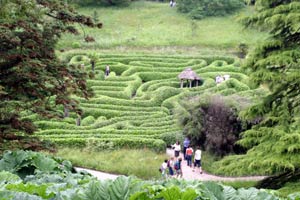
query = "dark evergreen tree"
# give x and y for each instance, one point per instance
(274, 143)
(31, 76)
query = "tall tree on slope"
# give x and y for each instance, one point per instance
(275, 143)
(31, 76)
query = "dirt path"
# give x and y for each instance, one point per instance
(188, 174)
(98, 174)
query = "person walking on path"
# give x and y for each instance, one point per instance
(107, 70)
(186, 144)
(177, 149)
(178, 168)
(189, 155)
(171, 166)
(163, 169)
(197, 159)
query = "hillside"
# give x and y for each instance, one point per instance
(149, 24)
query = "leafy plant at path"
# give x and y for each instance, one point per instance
(30, 72)
(274, 143)
(63, 184)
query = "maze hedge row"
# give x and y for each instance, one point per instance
(133, 106)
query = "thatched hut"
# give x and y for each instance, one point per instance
(190, 76)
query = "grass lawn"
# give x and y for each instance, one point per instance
(141, 163)
(149, 24)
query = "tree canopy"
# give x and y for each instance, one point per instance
(32, 78)
(274, 144)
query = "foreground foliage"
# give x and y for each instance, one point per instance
(63, 184)
(30, 73)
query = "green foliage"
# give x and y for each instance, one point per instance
(67, 185)
(212, 123)
(88, 121)
(30, 72)
(274, 143)
(206, 8)
(25, 163)
(115, 143)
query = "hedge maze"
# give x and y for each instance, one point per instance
(133, 106)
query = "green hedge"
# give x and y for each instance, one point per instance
(88, 121)
(132, 143)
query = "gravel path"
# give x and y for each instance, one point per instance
(188, 174)
(99, 175)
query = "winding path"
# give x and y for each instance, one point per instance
(188, 174)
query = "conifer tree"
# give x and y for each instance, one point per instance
(32, 78)
(274, 144)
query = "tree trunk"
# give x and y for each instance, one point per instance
(93, 65)
(278, 181)
(66, 111)
(78, 121)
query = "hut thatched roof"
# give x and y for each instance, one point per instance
(188, 74)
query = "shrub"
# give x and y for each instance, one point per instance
(88, 121)
(101, 143)
(172, 137)
(76, 45)
(212, 124)
(198, 9)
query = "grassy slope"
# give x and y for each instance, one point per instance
(141, 163)
(148, 24)
(158, 28)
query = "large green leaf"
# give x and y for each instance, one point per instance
(14, 160)
(97, 190)
(140, 196)
(39, 190)
(119, 189)
(189, 194)
(170, 193)
(7, 177)
(294, 196)
(213, 191)
(9, 195)
(246, 194)
(230, 193)
(44, 163)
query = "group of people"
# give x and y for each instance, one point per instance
(220, 78)
(173, 166)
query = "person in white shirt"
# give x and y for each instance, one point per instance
(226, 77)
(177, 149)
(197, 159)
(163, 169)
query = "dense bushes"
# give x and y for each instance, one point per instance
(212, 124)
(113, 143)
(102, 2)
(198, 9)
